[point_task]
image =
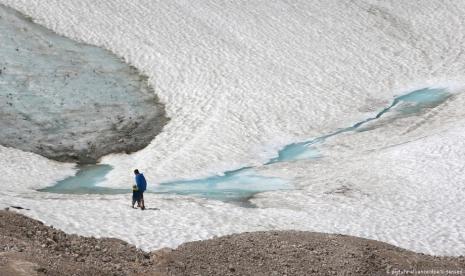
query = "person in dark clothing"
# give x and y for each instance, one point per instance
(135, 196)
(141, 187)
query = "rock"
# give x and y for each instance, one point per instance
(41, 270)
(221, 256)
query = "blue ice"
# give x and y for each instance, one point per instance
(241, 184)
(408, 104)
(232, 186)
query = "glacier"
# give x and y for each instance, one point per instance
(241, 80)
(69, 101)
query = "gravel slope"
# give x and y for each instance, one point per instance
(30, 248)
(299, 253)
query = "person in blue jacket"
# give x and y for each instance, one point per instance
(141, 187)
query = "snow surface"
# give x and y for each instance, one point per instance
(240, 80)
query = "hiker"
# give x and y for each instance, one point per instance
(141, 187)
(135, 196)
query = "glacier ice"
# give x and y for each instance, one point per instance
(67, 100)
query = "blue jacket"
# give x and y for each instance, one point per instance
(141, 182)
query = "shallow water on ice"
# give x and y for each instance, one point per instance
(405, 105)
(232, 186)
(241, 184)
(85, 181)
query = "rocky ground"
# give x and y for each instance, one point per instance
(299, 253)
(27, 247)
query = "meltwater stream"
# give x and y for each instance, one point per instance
(241, 184)
(413, 103)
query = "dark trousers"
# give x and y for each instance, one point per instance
(141, 198)
(136, 196)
